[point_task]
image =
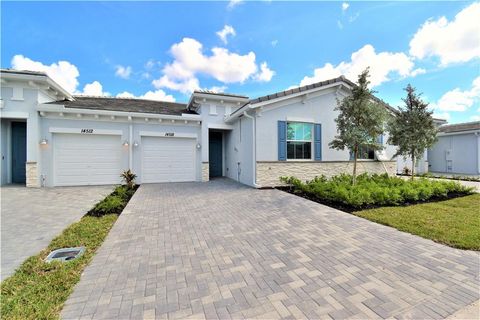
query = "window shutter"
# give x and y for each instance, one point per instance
(317, 138)
(380, 139)
(282, 140)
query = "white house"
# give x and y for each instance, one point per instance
(457, 150)
(51, 138)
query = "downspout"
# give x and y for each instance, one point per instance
(130, 147)
(254, 148)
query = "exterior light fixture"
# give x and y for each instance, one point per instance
(44, 142)
(199, 146)
(125, 143)
(135, 143)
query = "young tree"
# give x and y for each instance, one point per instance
(412, 130)
(360, 121)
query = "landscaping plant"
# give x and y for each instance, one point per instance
(375, 190)
(412, 130)
(360, 121)
(129, 177)
(37, 289)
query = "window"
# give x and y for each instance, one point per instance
(366, 153)
(299, 140)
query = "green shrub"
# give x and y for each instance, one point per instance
(111, 204)
(124, 192)
(375, 190)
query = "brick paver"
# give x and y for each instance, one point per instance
(32, 217)
(222, 250)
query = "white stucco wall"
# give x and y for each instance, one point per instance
(20, 106)
(137, 127)
(317, 108)
(464, 154)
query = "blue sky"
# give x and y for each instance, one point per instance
(163, 50)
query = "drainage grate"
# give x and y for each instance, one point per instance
(65, 254)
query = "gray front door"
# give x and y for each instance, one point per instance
(215, 154)
(19, 151)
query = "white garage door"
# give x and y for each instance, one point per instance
(86, 159)
(168, 159)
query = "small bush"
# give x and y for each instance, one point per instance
(111, 204)
(129, 177)
(124, 192)
(375, 190)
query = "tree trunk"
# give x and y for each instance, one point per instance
(413, 166)
(354, 178)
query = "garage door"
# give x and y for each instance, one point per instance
(86, 159)
(168, 159)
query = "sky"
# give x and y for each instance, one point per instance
(165, 50)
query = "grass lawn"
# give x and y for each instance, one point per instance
(454, 222)
(38, 290)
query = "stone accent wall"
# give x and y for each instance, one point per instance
(32, 175)
(205, 172)
(269, 173)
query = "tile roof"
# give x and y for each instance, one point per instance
(26, 72)
(301, 89)
(221, 94)
(126, 105)
(459, 127)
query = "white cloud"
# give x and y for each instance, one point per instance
(150, 64)
(345, 6)
(274, 43)
(441, 115)
(339, 25)
(458, 100)
(185, 86)
(452, 41)
(382, 66)
(225, 32)
(265, 73)
(62, 72)
(93, 89)
(234, 3)
(159, 95)
(475, 118)
(217, 89)
(123, 72)
(190, 61)
(125, 94)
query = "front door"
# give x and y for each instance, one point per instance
(215, 154)
(19, 151)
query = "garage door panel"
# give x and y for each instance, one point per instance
(86, 159)
(168, 159)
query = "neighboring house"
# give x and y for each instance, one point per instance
(457, 150)
(50, 138)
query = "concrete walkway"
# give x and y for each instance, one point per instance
(31, 218)
(222, 250)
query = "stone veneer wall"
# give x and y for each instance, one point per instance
(269, 173)
(205, 172)
(32, 175)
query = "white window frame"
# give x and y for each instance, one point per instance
(311, 140)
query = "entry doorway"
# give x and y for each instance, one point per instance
(215, 154)
(19, 152)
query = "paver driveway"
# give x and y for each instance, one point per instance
(222, 250)
(32, 217)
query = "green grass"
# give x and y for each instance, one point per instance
(454, 222)
(38, 290)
